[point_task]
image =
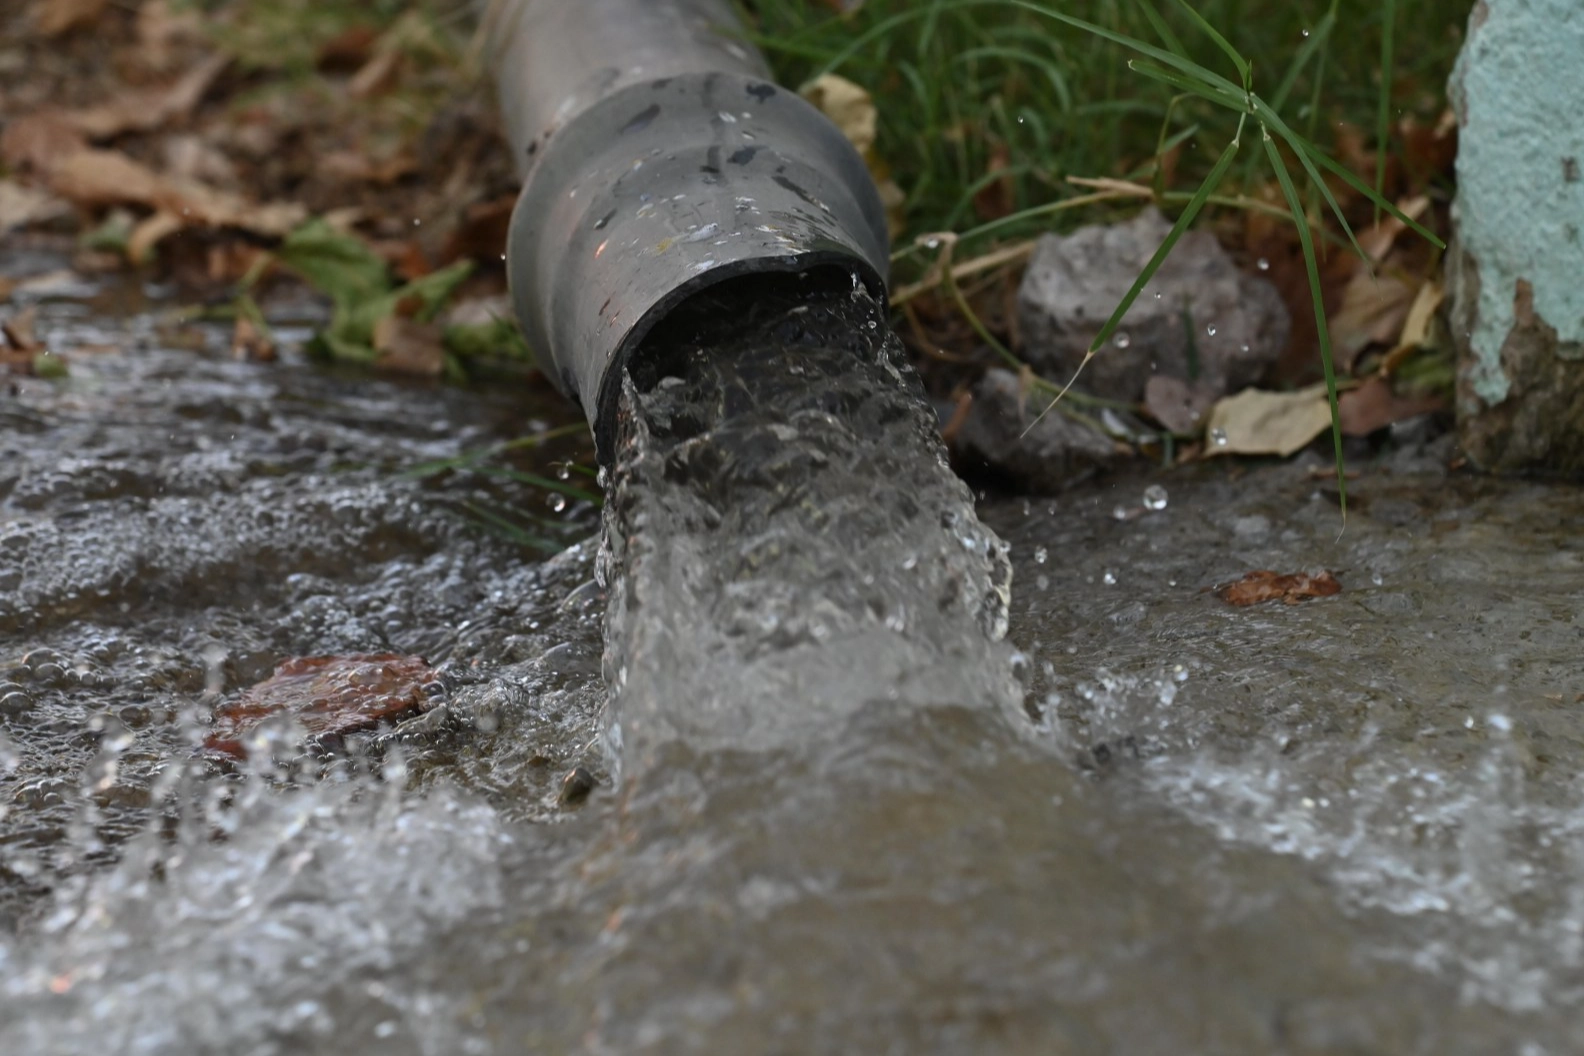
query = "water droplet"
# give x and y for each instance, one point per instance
(1154, 497)
(1211, 329)
(1306, 32)
(1121, 512)
(1122, 340)
(564, 471)
(1020, 120)
(1262, 264)
(1040, 554)
(1110, 578)
(1042, 582)
(558, 503)
(1218, 437)
(1376, 578)
(1179, 674)
(416, 221)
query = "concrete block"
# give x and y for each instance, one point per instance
(1516, 270)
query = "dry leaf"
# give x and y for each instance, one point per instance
(1416, 328)
(104, 177)
(1379, 238)
(54, 17)
(159, 30)
(19, 332)
(1265, 585)
(1176, 404)
(851, 109)
(150, 108)
(248, 342)
(847, 105)
(377, 76)
(1374, 405)
(20, 206)
(1268, 423)
(39, 140)
(108, 177)
(1373, 310)
(148, 233)
(327, 696)
(407, 346)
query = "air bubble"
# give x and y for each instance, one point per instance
(1122, 340)
(1040, 555)
(1262, 264)
(1154, 497)
(1110, 578)
(1211, 330)
(1218, 437)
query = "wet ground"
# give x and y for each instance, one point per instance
(1349, 825)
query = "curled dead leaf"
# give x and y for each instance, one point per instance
(1373, 405)
(1254, 422)
(21, 206)
(147, 109)
(1176, 404)
(55, 17)
(851, 109)
(1265, 585)
(327, 696)
(249, 342)
(39, 140)
(406, 346)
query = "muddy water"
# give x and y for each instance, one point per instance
(1349, 825)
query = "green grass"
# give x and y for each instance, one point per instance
(957, 82)
(1105, 88)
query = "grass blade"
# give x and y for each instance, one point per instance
(1221, 42)
(1162, 30)
(1306, 53)
(1189, 213)
(1312, 266)
(1383, 105)
(1313, 155)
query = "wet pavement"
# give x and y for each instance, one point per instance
(1349, 825)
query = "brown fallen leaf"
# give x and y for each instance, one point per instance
(377, 76)
(1374, 405)
(1254, 422)
(1416, 328)
(20, 331)
(1265, 585)
(249, 342)
(1176, 404)
(96, 177)
(146, 109)
(21, 206)
(851, 109)
(407, 346)
(1374, 308)
(39, 140)
(54, 17)
(326, 695)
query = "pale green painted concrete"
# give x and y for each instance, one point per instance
(1519, 93)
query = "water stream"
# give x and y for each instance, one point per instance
(835, 809)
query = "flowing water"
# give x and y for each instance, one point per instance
(835, 809)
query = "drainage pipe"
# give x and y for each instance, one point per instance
(659, 160)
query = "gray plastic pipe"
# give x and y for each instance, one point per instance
(658, 159)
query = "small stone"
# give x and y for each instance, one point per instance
(1074, 282)
(576, 786)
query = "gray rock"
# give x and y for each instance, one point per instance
(1517, 302)
(1055, 453)
(1237, 322)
